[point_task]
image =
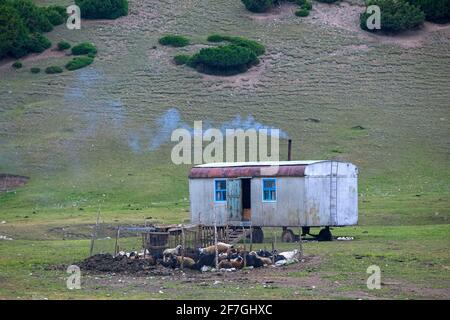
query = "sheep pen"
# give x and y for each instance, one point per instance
(165, 249)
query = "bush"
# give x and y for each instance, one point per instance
(78, 63)
(258, 5)
(21, 25)
(84, 48)
(17, 65)
(35, 17)
(60, 9)
(182, 59)
(54, 17)
(307, 5)
(53, 69)
(102, 9)
(224, 57)
(397, 15)
(302, 12)
(63, 45)
(435, 10)
(38, 43)
(255, 46)
(35, 70)
(327, 1)
(174, 41)
(14, 36)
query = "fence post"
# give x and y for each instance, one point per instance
(183, 248)
(94, 232)
(215, 241)
(116, 249)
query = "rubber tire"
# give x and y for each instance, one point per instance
(257, 235)
(325, 235)
(288, 236)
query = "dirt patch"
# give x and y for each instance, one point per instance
(247, 80)
(33, 57)
(276, 13)
(121, 264)
(11, 181)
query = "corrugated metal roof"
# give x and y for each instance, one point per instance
(259, 164)
(290, 170)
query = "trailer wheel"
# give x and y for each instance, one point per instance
(325, 235)
(288, 235)
(257, 235)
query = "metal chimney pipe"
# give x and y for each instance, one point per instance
(290, 150)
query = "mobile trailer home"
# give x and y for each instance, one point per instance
(285, 194)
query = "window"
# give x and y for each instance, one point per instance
(220, 190)
(269, 189)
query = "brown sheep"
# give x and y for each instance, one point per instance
(221, 248)
(188, 262)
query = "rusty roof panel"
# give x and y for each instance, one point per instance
(247, 171)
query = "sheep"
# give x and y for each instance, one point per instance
(188, 262)
(221, 248)
(265, 260)
(169, 252)
(237, 263)
(206, 259)
(253, 261)
(289, 255)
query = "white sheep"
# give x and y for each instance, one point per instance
(174, 251)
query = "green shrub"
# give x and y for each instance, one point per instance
(255, 46)
(300, 2)
(38, 43)
(60, 9)
(435, 10)
(102, 9)
(35, 70)
(78, 63)
(63, 45)
(307, 5)
(396, 15)
(327, 1)
(84, 48)
(181, 59)
(53, 69)
(174, 41)
(14, 35)
(225, 57)
(17, 65)
(35, 17)
(54, 16)
(258, 5)
(302, 12)
(21, 25)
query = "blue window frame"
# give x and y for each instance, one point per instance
(220, 190)
(269, 190)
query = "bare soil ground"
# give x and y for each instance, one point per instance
(34, 57)
(346, 16)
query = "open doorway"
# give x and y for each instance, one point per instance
(246, 199)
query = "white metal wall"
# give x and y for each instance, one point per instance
(303, 201)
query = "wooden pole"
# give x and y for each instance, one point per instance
(273, 246)
(251, 238)
(183, 247)
(116, 249)
(94, 232)
(300, 244)
(215, 241)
